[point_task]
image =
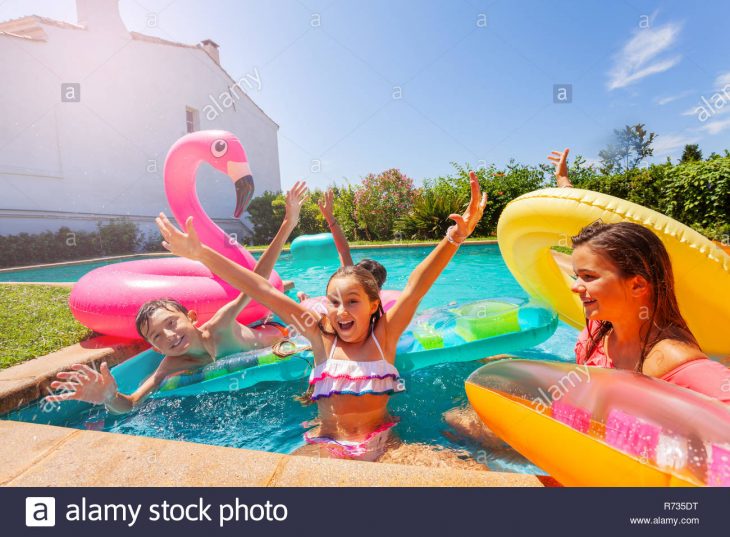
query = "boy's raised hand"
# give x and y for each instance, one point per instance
(560, 160)
(327, 206)
(294, 201)
(466, 223)
(179, 243)
(84, 384)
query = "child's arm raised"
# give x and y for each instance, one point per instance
(560, 160)
(327, 207)
(425, 274)
(294, 200)
(189, 245)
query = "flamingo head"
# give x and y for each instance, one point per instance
(226, 154)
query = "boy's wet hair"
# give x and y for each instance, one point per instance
(376, 269)
(148, 309)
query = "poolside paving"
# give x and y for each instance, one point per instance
(45, 455)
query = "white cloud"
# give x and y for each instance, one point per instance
(639, 56)
(669, 143)
(661, 101)
(717, 126)
(722, 81)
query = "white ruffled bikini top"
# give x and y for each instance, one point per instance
(347, 377)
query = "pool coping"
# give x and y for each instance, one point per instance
(45, 455)
(254, 249)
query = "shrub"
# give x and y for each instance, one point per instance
(379, 201)
(429, 216)
(345, 210)
(118, 237)
(500, 186)
(267, 212)
(698, 192)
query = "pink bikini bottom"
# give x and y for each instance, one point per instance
(369, 449)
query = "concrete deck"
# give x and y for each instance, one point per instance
(42, 455)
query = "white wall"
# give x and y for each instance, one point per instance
(73, 163)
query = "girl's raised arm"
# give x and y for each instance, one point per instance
(425, 274)
(294, 199)
(189, 245)
(327, 207)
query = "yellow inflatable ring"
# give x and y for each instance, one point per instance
(531, 224)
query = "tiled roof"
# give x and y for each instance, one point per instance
(29, 27)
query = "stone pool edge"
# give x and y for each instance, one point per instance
(49, 456)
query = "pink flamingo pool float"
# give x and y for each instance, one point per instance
(107, 299)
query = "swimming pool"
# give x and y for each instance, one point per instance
(265, 417)
(63, 273)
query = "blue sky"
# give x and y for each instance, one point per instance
(360, 87)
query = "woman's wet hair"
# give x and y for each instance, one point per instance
(148, 309)
(376, 269)
(637, 251)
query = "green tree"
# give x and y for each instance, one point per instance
(629, 147)
(691, 153)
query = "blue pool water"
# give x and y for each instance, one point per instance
(62, 273)
(266, 417)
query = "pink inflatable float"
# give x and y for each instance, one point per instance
(107, 299)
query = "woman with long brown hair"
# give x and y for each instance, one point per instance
(624, 277)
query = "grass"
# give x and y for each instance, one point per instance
(35, 321)
(563, 249)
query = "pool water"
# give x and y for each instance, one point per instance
(63, 273)
(265, 417)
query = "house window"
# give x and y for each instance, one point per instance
(192, 119)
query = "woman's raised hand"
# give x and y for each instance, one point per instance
(560, 160)
(466, 223)
(294, 201)
(179, 243)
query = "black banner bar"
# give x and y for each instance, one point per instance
(509, 512)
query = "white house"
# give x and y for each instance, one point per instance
(89, 111)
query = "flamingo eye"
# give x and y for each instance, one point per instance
(219, 148)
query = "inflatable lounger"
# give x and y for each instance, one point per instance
(454, 333)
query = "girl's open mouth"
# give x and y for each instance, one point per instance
(178, 342)
(345, 325)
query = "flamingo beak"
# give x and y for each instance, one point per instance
(240, 174)
(244, 193)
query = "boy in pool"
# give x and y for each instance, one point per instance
(326, 207)
(171, 330)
